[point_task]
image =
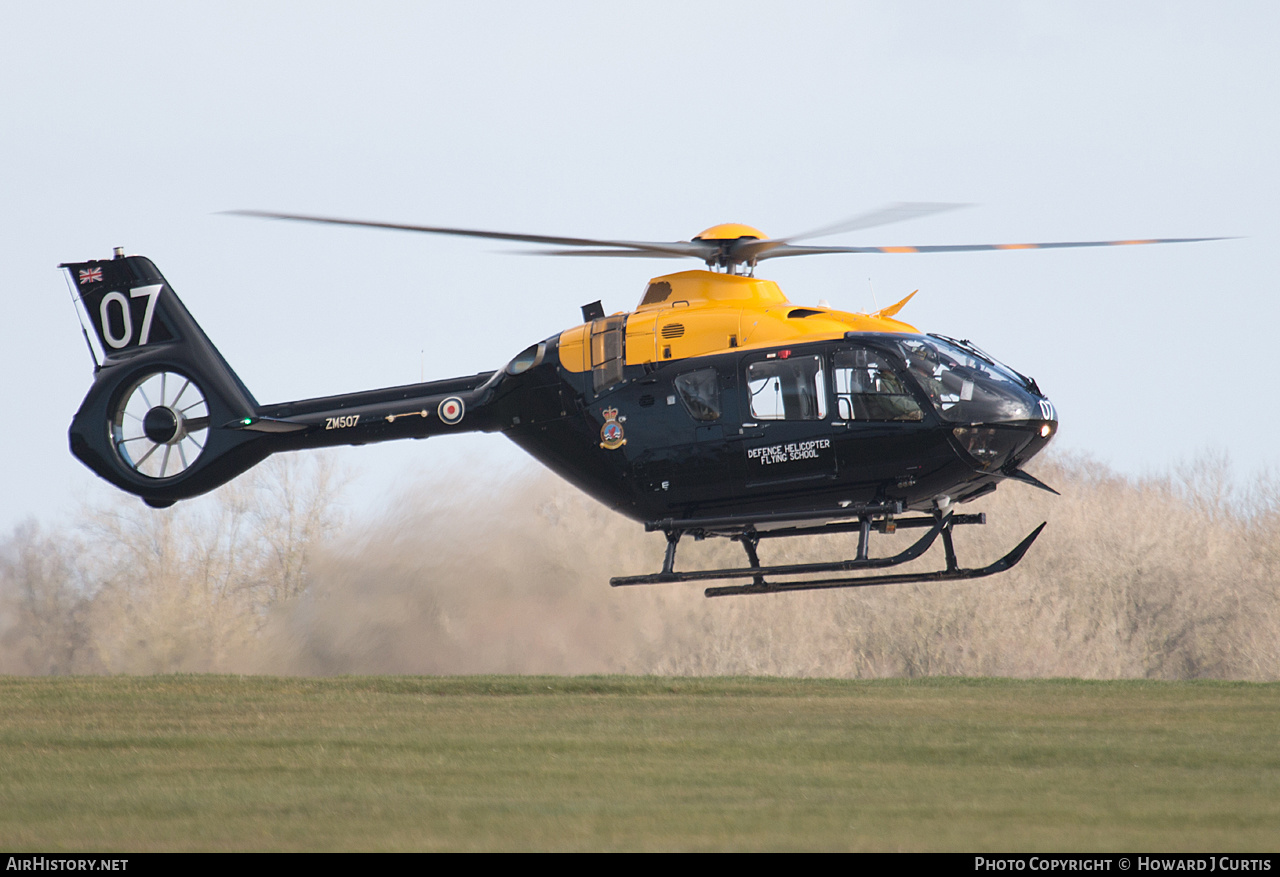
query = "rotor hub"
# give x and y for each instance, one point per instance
(730, 231)
(725, 237)
(163, 425)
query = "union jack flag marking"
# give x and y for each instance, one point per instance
(90, 275)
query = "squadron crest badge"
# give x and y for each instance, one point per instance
(612, 436)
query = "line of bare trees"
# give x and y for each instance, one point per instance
(130, 589)
(1170, 577)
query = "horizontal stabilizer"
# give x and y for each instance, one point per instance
(267, 424)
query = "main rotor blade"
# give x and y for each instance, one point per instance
(899, 212)
(708, 253)
(790, 250)
(751, 251)
(673, 248)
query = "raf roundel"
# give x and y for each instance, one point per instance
(451, 410)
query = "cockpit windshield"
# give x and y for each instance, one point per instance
(964, 386)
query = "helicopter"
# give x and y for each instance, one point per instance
(716, 408)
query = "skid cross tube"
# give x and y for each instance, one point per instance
(738, 523)
(882, 526)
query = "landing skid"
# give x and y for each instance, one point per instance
(872, 518)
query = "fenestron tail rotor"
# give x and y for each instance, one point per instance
(730, 247)
(160, 424)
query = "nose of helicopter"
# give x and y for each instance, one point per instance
(996, 446)
(998, 417)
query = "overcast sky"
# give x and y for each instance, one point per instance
(134, 124)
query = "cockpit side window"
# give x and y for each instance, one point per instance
(787, 389)
(700, 393)
(867, 388)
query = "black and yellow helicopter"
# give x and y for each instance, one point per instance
(715, 408)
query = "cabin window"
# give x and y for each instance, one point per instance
(787, 389)
(700, 393)
(867, 388)
(608, 351)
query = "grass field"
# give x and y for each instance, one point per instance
(619, 763)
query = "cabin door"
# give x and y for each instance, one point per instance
(786, 425)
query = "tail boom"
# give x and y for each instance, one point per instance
(166, 417)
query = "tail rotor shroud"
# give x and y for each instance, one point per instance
(161, 425)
